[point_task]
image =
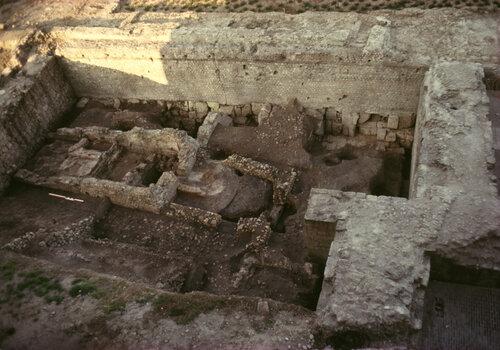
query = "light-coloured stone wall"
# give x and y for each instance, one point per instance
(350, 62)
(378, 263)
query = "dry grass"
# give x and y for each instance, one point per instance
(298, 6)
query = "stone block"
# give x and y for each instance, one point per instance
(406, 121)
(392, 122)
(330, 114)
(214, 106)
(381, 132)
(349, 121)
(264, 113)
(228, 110)
(237, 112)
(315, 113)
(390, 136)
(201, 108)
(116, 103)
(246, 110)
(405, 137)
(256, 107)
(368, 128)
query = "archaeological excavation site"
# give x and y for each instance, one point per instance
(249, 175)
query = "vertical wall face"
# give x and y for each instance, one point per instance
(104, 62)
(348, 88)
(320, 224)
(31, 105)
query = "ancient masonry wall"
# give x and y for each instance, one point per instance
(356, 73)
(454, 160)
(177, 63)
(378, 263)
(30, 106)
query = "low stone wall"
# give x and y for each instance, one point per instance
(166, 141)
(30, 105)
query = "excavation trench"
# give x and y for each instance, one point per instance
(196, 195)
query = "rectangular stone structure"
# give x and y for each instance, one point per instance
(320, 224)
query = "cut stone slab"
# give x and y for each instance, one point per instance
(211, 186)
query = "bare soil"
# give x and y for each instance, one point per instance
(26, 209)
(179, 256)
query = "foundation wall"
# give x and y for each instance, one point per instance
(30, 106)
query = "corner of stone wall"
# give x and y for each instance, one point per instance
(34, 101)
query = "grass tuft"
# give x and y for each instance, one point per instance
(82, 287)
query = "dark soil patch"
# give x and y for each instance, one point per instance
(26, 208)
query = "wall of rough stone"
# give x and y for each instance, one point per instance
(453, 162)
(378, 264)
(31, 104)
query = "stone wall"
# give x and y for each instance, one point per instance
(453, 162)
(31, 104)
(205, 59)
(378, 264)
(350, 62)
(320, 224)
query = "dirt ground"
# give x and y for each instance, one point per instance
(46, 306)
(298, 6)
(172, 254)
(150, 252)
(27, 209)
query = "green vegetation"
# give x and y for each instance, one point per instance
(29, 282)
(115, 305)
(83, 287)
